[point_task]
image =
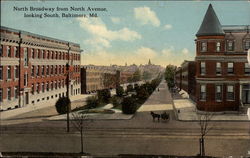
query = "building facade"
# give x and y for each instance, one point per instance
(33, 68)
(94, 78)
(185, 78)
(222, 70)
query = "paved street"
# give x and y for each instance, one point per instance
(139, 135)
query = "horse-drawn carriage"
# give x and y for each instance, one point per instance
(164, 116)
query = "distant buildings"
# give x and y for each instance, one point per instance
(222, 71)
(94, 78)
(33, 68)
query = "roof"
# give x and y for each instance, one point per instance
(37, 35)
(210, 24)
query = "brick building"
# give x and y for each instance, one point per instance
(94, 78)
(185, 78)
(222, 70)
(33, 68)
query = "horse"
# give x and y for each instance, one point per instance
(165, 116)
(154, 115)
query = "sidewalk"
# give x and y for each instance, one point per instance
(159, 100)
(11, 113)
(185, 110)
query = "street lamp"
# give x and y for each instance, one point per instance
(67, 93)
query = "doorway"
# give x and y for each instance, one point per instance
(246, 93)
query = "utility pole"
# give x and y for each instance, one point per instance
(67, 93)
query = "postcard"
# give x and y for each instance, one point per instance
(125, 78)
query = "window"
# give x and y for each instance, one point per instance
(1, 72)
(9, 93)
(16, 54)
(52, 85)
(59, 84)
(32, 71)
(9, 72)
(247, 68)
(247, 44)
(203, 68)
(52, 55)
(32, 89)
(16, 72)
(32, 53)
(47, 70)
(203, 92)
(230, 45)
(217, 46)
(56, 69)
(44, 54)
(41, 53)
(48, 54)
(16, 92)
(218, 68)
(37, 70)
(8, 51)
(25, 79)
(43, 88)
(230, 68)
(47, 86)
(230, 92)
(203, 46)
(52, 70)
(218, 93)
(43, 71)
(25, 57)
(1, 50)
(37, 87)
(1, 94)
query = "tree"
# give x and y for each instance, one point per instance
(119, 91)
(146, 75)
(80, 121)
(104, 95)
(136, 76)
(62, 104)
(142, 93)
(128, 105)
(170, 75)
(130, 88)
(92, 102)
(205, 127)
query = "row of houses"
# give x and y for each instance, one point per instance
(33, 70)
(94, 78)
(219, 78)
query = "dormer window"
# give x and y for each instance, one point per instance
(217, 46)
(203, 46)
(230, 45)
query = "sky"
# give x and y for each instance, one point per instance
(129, 32)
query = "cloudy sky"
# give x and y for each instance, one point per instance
(129, 31)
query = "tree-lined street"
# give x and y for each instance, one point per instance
(139, 135)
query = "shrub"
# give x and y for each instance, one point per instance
(119, 91)
(104, 95)
(116, 101)
(128, 105)
(136, 86)
(130, 88)
(142, 93)
(92, 102)
(62, 104)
